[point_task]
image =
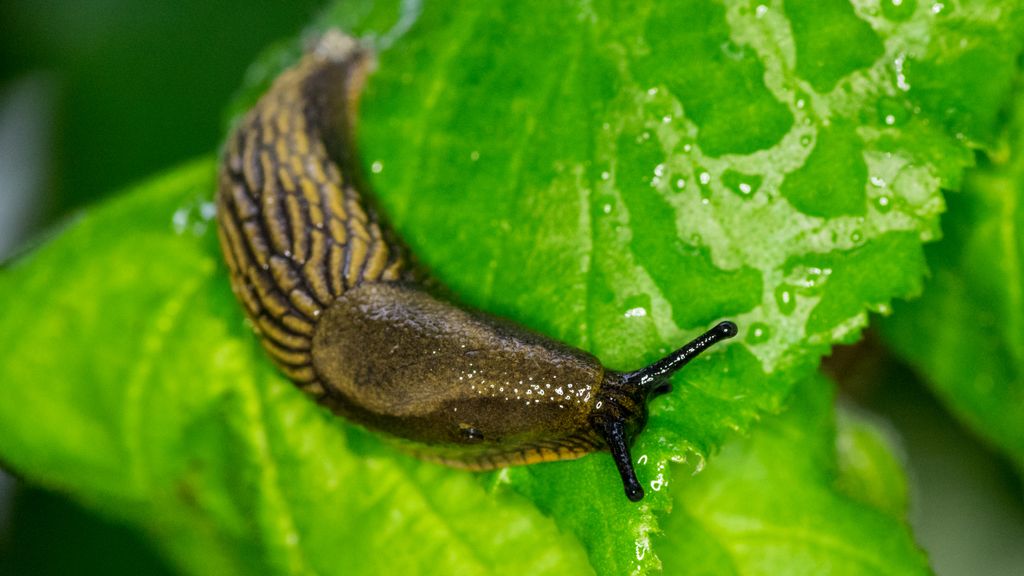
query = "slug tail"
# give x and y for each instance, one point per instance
(336, 46)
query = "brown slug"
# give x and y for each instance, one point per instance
(347, 316)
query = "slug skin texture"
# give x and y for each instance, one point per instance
(342, 310)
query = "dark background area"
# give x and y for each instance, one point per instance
(136, 87)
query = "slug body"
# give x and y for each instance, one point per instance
(346, 315)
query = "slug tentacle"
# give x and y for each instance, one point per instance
(621, 410)
(658, 373)
(618, 444)
(343, 311)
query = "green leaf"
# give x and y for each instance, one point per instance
(624, 181)
(618, 178)
(870, 468)
(137, 388)
(774, 503)
(966, 333)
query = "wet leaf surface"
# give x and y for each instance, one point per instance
(617, 178)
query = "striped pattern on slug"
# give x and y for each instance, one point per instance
(345, 314)
(294, 229)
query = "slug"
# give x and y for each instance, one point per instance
(345, 312)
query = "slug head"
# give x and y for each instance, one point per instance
(621, 409)
(473, 391)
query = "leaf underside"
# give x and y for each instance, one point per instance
(966, 333)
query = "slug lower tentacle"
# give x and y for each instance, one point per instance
(342, 310)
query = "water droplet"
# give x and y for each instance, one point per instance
(760, 11)
(883, 204)
(652, 91)
(700, 464)
(901, 78)
(207, 210)
(743, 185)
(937, 7)
(806, 140)
(898, 10)
(180, 220)
(680, 184)
(377, 167)
(638, 312)
(759, 332)
(687, 147)
(892, 111)
(607, 208)
(856, 236)
(814, 278)
(703, 180)
(666, 119)
(877, 181)
(605, 175)
(785, 298)
(641, 548)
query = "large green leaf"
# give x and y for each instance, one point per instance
(626, 180)
(617, 178)
(780, 502)
(966, 333)
(869, 469)
(132, 383)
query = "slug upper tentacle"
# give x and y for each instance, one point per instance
(342, 310)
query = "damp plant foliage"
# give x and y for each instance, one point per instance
(966, 332)
(619, 178)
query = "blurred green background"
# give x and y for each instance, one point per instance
(95, 94)
(132, 88)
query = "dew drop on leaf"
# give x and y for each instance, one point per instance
(758, 333)
(704, 179)
(785, 298)
(898, 10)
(892, 111)
(883, 204)
(743, 185)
